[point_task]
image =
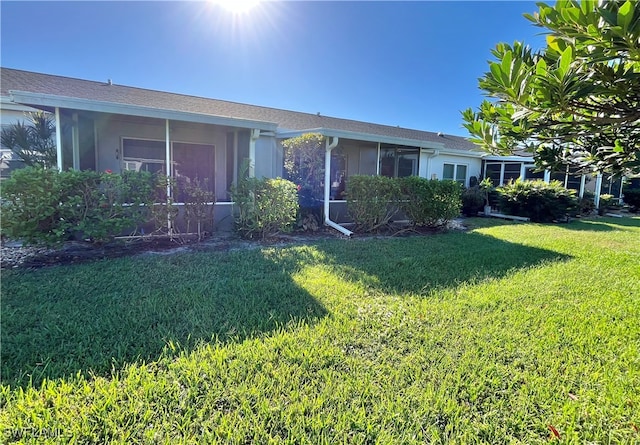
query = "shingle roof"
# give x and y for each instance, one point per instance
(19, 80)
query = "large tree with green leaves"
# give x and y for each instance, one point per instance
(574, 102)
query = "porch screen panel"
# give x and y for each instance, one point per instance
(193, 164)
(244, 140)
(511, 171)
(492, 171)
(531, 173)
(407, 163)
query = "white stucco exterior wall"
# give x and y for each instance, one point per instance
(435, 165)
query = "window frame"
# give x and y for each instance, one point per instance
(455, 165)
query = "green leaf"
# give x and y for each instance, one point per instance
(618, 148)
(565, 61)
(506, 65)
(625, 15)
(541, 68)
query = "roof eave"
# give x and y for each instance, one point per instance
(370, 137)
(75, 103)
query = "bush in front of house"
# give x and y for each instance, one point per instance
(632, 198)
(429, 202)
(265, 206)
(45, 206)
(372, 201)
(473, 199)
(537, 200)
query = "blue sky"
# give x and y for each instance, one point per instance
(412, 64)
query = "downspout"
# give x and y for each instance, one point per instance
(327, 187)
(430, 156)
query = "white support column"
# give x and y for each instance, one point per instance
(168, 160)
(167, 138)
(255, 134)
(95, 145)
(596, 200)
(235, 157)
(583, 180)
(378, 161)
(59, 140)
(622, 179)
(501, 173)
(547, 176)
(75, 140)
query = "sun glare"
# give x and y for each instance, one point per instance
(237, 6)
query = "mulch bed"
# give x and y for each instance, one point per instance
(16, 256)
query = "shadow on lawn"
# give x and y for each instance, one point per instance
(601, 224)
(98, 317)
(421, 264)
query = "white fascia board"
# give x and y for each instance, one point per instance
(461, 153)
(368, 137)
(512, 158)
(7, 104)
(74, 103)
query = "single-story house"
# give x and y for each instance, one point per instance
(105, 126)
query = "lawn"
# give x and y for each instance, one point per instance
(508, 333)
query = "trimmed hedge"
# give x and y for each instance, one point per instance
(537, 200)
(265, 206)
(45, 206)
(372, 201)
(429, 202)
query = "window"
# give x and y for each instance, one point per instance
(143, 155)
(397, 162)
(455, 172)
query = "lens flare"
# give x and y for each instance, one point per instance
(237, 6)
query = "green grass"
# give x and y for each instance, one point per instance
(489, 336)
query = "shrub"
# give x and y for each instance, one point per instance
(198, 206)
(45, 206)
(538, 200)
(371, 201)
(606, 202)
(265, 206)
(429, 202)
(473, 199)
(632, 198)
(587, 203)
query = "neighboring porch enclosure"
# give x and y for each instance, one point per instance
(212, 155)
(502, 170)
